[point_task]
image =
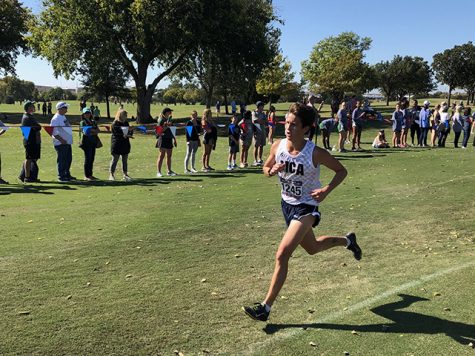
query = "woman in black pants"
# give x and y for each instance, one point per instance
(88, 141)
(120, 144)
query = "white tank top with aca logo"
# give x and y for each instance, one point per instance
(299, 177)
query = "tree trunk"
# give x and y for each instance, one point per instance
(450, 93)
(209, 97)
(108, 107)
(143, 107)
(226, 102)
(387, 100)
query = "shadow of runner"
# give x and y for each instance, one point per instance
(403, 322)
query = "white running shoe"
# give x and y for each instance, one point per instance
(230, 167)
(111, 177)
(171, 174)
(159, 175)
(187, 171)
(127, 178)
(193, 170)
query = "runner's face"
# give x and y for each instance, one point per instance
(293, 128)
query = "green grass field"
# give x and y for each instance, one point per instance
(161, 265)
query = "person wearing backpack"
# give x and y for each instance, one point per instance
(32, 144)
(88, 141)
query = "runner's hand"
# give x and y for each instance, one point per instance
(319, 194)
(276, 168)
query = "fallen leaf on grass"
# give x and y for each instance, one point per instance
(437, 294)
(311, 343)
(24, 312)
(69, 297)
(30, 221)
(447, 309)
(128, 276)
(203, 280)
(354, 332)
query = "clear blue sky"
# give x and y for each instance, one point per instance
(415, 28)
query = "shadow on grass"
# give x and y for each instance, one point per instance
(37, 188)
(403, 322)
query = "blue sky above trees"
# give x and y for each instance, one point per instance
(415, 28)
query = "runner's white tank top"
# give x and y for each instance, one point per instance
(300, 177)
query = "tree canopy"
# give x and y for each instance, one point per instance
(403, 75)
(13, 27)
(336, 64)
(275, 78)
(141, 34)
(456, 67)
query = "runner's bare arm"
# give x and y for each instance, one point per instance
(271, 168)
(321, 156)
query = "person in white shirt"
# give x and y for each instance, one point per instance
(63, 140)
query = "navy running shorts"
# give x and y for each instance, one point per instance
(296, 212)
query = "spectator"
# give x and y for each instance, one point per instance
(32, 144)
(326, 127)
(358, 115)
(444, 126)
(271, 122)
(397, 120)
(50, 108)
(380, 140)
(209, 138)
(342, 119)
(424, 123)
(233, 107)
(120, 144)
(334, 105)
(233, 135)
(434, 121)
(2, 131)
(62, 140)
(165, 142)
(415, 128)
(314, 129)
(247, 132)
(96, 113)
(457, 125)
(467, 122)
(260, 122)
(44, 108)
(406, 122)
(192, 141)
(242, 108)
(218, 108)
(89, 141)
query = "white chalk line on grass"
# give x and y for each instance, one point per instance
(253, 348)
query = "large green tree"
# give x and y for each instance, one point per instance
(103, 76)
(141, 33)
(336, 65)
(16, 89)
(403, 75)
(452, 67)
(243, 44)
(276, 78)
(13, 27)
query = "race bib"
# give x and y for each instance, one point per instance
(291, 188)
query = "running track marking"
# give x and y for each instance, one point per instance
(253, 348)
